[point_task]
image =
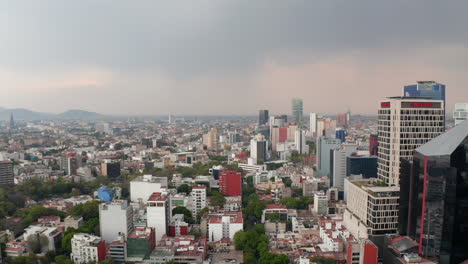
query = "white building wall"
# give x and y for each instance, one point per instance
(140, 190)
(115, 218)
(157, 218)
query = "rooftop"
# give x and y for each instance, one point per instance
(446, 143)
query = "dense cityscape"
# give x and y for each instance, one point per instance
(288, 188)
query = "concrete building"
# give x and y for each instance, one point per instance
(70, 163)
(460, 113)
(178, 227)
(73, 222)
(259, 148)
(230, 183)
(115, 218)
(6, 173)
(210, 139)
(321, 203)
(142, 187)
(339, 165)
(225, 226)
(372, 208)
(313, 124)
(87, 248)
(52, 234)
(300, 142)
(117, 250)
(198, 197)
(140, 243)
(405, 123)
(158, 213)
(110, 169)
(324, 147)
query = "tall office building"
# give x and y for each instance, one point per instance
(12, 122)
(263, 117)
(342, 120)
(338, 164)
(198, 197)
(341, 135)
(324, 147)
(405, 123)
(259, 148)
(313, 124)
(461, 113)
(300, 142)
(297, 110)
(210, 139)
(158, 213)
(115, 218)
(373, 144)
(70, 163)
(110, 169)
(6, 173)
(230, 183)
(434, 197)
(427, 89)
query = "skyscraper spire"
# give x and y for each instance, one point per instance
(12, 122)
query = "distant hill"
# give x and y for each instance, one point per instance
(28, 115)
(23, 114)
(80, 115)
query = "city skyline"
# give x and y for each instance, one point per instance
(160, 58)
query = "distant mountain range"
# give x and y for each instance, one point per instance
(25, 114)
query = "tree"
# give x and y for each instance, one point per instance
(184, 188)
(63, 260)
(187, 214)
(88, 210)
(218, 199)
(38, 243)
(274, 217)
(201, 213)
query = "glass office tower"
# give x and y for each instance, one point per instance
(434, 197)
(429, 89)
(297, 110)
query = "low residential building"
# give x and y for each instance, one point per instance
(52, 234)
(225, 226)
(73, 222)
(178, 227)
(274, 208)
(140, 243)
(87, 248)
(16, 249)
(117, 250)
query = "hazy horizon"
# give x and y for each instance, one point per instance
(227, 57)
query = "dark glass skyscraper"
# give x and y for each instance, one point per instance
(263, 117)
(434, 197)
(297, 110)
(429, 89)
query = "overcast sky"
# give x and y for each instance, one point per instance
(227, 57)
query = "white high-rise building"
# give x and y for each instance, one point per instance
(313, 124)
(142, 187)
(158, 213)
(115, 218)
(404, 124)
(461, 113)
(300, 142)
(338, 169)
(324, 145)
(258, 148)
(198, 196)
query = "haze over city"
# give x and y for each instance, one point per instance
(227, 57)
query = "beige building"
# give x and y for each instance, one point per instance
(404, 124)
(210, 139)
(372, 207)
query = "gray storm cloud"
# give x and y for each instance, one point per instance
(187, 53)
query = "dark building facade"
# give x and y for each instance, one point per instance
(373, 145)
(6, 173)
(263, 117)
(341, 135)
(367, 166)
(434, 197)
